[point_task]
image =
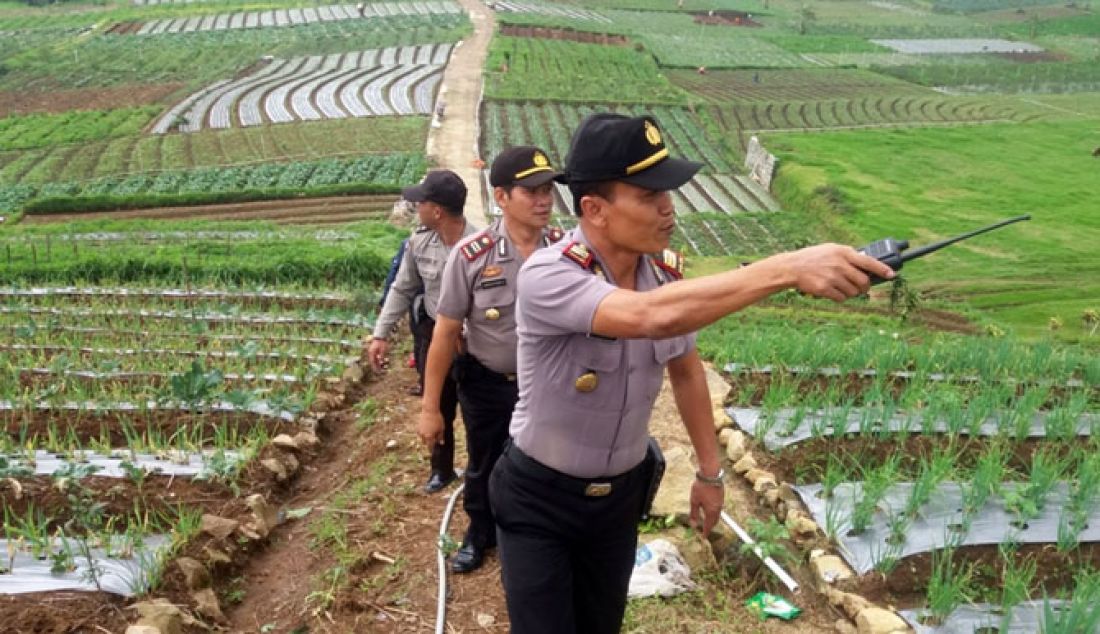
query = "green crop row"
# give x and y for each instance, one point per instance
(281, 257)
(551, 125)
(235, 146)
(1039, 77)
(203, 57)
(76, 126)
(541, 69)
(367, 174)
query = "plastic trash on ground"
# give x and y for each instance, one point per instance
(764, 605)
(659, 570)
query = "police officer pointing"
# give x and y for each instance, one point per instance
(439, 199)
(479, 288)
(598, 321)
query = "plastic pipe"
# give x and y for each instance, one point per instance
(441, 601)
(787, 580)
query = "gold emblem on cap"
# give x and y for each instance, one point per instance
(586, 382)
(652, 134)
(492, 314)
(540, 160)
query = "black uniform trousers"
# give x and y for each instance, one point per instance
(443, 455)
(487, 399)
(566, 555)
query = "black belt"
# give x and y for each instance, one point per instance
(472, 367)
(588, 487)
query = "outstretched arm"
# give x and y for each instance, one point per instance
(831, 271)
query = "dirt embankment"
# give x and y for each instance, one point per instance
(564, 34)
(295, 211)
(14, 102)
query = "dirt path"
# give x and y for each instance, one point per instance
(453, 144)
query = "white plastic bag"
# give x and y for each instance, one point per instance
(659, 570)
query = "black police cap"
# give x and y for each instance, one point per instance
(524, 165)
(614, 147)
(442, 187)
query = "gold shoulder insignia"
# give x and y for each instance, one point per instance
(553, 234)
(578, 253)
(671, 262)
(477, 247)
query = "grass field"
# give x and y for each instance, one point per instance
(925, 185)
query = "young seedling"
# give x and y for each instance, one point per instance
(948, 586)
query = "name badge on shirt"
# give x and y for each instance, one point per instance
(500, 281)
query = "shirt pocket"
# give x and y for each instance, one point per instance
(666, 349)
(496, 297)
(595, 353)
(429, 268)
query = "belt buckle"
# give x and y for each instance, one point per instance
(598, 489)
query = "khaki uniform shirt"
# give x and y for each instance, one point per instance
(565, 422)
(422, 265)
(479, 286)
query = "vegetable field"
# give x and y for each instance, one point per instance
(373, 173)
(391, 81)
(955, 475)
(133, 417)
(284, 17)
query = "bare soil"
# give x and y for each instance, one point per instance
(401, 526)
(564, 34)
(125, 28)
(1033, 57)
(724, 17)
(14, 102)
(302, 211)
(906, 585)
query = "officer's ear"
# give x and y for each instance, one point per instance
(500, 196)
(593, 207)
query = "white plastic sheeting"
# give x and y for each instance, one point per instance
(117, 576)
(173, 463)
(789, 426)
(939, 523)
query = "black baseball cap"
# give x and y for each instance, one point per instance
(442, 187)
(614, 147)
(523, 165)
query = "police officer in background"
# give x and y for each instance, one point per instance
(479, 288)
(439, 199)
(598, 320)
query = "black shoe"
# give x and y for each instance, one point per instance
(468, 559)
(437, 481)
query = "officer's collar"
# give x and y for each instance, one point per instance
(577, 235)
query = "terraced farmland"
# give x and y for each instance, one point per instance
(735, 86)
(153, 407)
(389, 81)
(868, 112)
(283, 17)
(546, 9)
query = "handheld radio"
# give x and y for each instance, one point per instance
(893, 252)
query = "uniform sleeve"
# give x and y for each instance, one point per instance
(454, 296)
(405, 286)
(558, 297)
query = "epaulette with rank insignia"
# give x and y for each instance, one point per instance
(477, 247)
(578, 253)
(671, 262)
(553, 234)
